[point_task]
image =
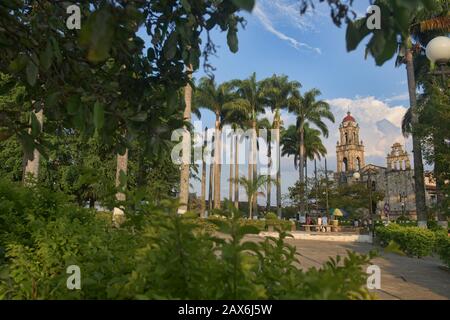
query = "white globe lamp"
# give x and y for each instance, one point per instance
(438, 50)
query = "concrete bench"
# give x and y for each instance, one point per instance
(317, 228)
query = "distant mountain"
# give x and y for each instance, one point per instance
(388, 128)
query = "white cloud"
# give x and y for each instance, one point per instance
(370, 112)
(277, 8)
(399, 97)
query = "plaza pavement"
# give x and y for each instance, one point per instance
(402, 278)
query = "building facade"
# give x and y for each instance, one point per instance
(396, 180)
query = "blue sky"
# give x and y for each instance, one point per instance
(311, 49)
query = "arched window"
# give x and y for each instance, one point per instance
(358, 163)
(345, 164)
(346, 138)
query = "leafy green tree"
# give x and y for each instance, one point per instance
(79, 75)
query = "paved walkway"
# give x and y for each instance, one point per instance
(402, 278)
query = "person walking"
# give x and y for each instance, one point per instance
(324, 223)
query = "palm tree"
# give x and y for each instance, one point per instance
(421, 21)
(237, 120)
(265, 124)
(276, 91)
(313, 144)
(314, 147)
(250, 100)
(423, 29)
(252, 189)
(186, 144)
(203, 182)
(308, 109)
(216, 98)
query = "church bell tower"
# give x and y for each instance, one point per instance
(349, 150)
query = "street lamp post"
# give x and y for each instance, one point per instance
(403, 200)
(438, 52)
(357, 176)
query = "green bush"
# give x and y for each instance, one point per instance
(414, 241)
(164, 256)
(271, 216)
(284, 225)
(443, 247)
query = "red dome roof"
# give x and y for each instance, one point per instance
(348, 118)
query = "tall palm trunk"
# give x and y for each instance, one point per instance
(250, 173)
(230, 186)
(121, 169)
(417, 150)
(326, 187)
(203, 197)
(217, 160)
(236, 172)
(250, 207)
(438, 174)
(269, 168)
(31, 167)
(211, 189)
(316, 183)
(254, 167)
(186, 156)
(302, 167)
(278, 155)
(305, 195)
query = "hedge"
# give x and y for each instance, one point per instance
(414, 241)
(443, 248)
(262, 225)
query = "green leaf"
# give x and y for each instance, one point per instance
(97, 34)
(388, 48)
(73, 104)
(52, 100)
(19, 63)
(170, 48)
(139, 117)
(245, 4)
(232, 40)
(46, 57)
(150, 54)
(186, 5)
(356, 32)
(32, 72)
(99, 116)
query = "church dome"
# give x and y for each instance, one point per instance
(349, 118)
